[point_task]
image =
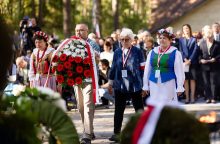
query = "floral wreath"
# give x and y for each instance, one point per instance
(166, 32)
(72, 62)
(41, 34)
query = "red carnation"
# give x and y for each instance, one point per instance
(63, 57)
(78, 80)
(78, 59)
(53, 70)
(69, 73)
(86, 61)
(87, 73)
(71, 59)
(59, 67)
(60, 79)
(79, 69)
(67, 65)
(55, 58)
(70, 82)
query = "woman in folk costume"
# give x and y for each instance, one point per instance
(40, 63)
(164, 75)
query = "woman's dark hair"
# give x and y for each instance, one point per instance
(107, 43)
(37, 37)
(6, 53)
(109, 38)
(190, 29)
(136, 37)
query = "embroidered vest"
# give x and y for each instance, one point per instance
(42, 66)
(166, 67)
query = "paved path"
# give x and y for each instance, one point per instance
(103, 122)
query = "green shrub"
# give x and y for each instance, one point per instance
(174, 126)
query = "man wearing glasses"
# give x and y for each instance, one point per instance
(84, 93)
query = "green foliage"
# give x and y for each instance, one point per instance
(17, 129)
(57, 121)
(81, 11)
(17, 123)
(174, 127)
(20, 115)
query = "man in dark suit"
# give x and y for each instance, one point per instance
(216, 31)
(209, 57)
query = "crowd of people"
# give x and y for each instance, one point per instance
(130, 67)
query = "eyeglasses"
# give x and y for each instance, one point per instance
(80, 30)
(125, 40)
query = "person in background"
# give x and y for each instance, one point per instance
(179, 33)
(107, 53)
(34, 26)
(16, 40)
(145, 34)
(111, 40)
(101, 44)
(116, 42)
(93, 37)
(216, 34)
(148, 46)
(103, 83)
(216, 31)
(164, 75)
(189, 50)
(175, 40)
(209, 58)
(198, 36)
(125, 76)
(27, 57)
(25, 35)
(40, 62)
(135, 42)
(22, 71)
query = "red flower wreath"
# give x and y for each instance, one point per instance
(72, 62)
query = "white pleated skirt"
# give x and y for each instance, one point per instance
(164, 92)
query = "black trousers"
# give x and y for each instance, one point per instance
(120, 104)
(210, 82)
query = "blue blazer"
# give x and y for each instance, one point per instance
(190, 50)
(135, 70)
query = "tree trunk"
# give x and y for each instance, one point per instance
(67, 18)
(40, 13)
(96, 15)
(33, 12)
(20, 9)
(115, 9)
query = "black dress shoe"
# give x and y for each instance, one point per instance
(85, 141)
(92, 136)
(192, 102)
(186, 102)
(114, 137)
